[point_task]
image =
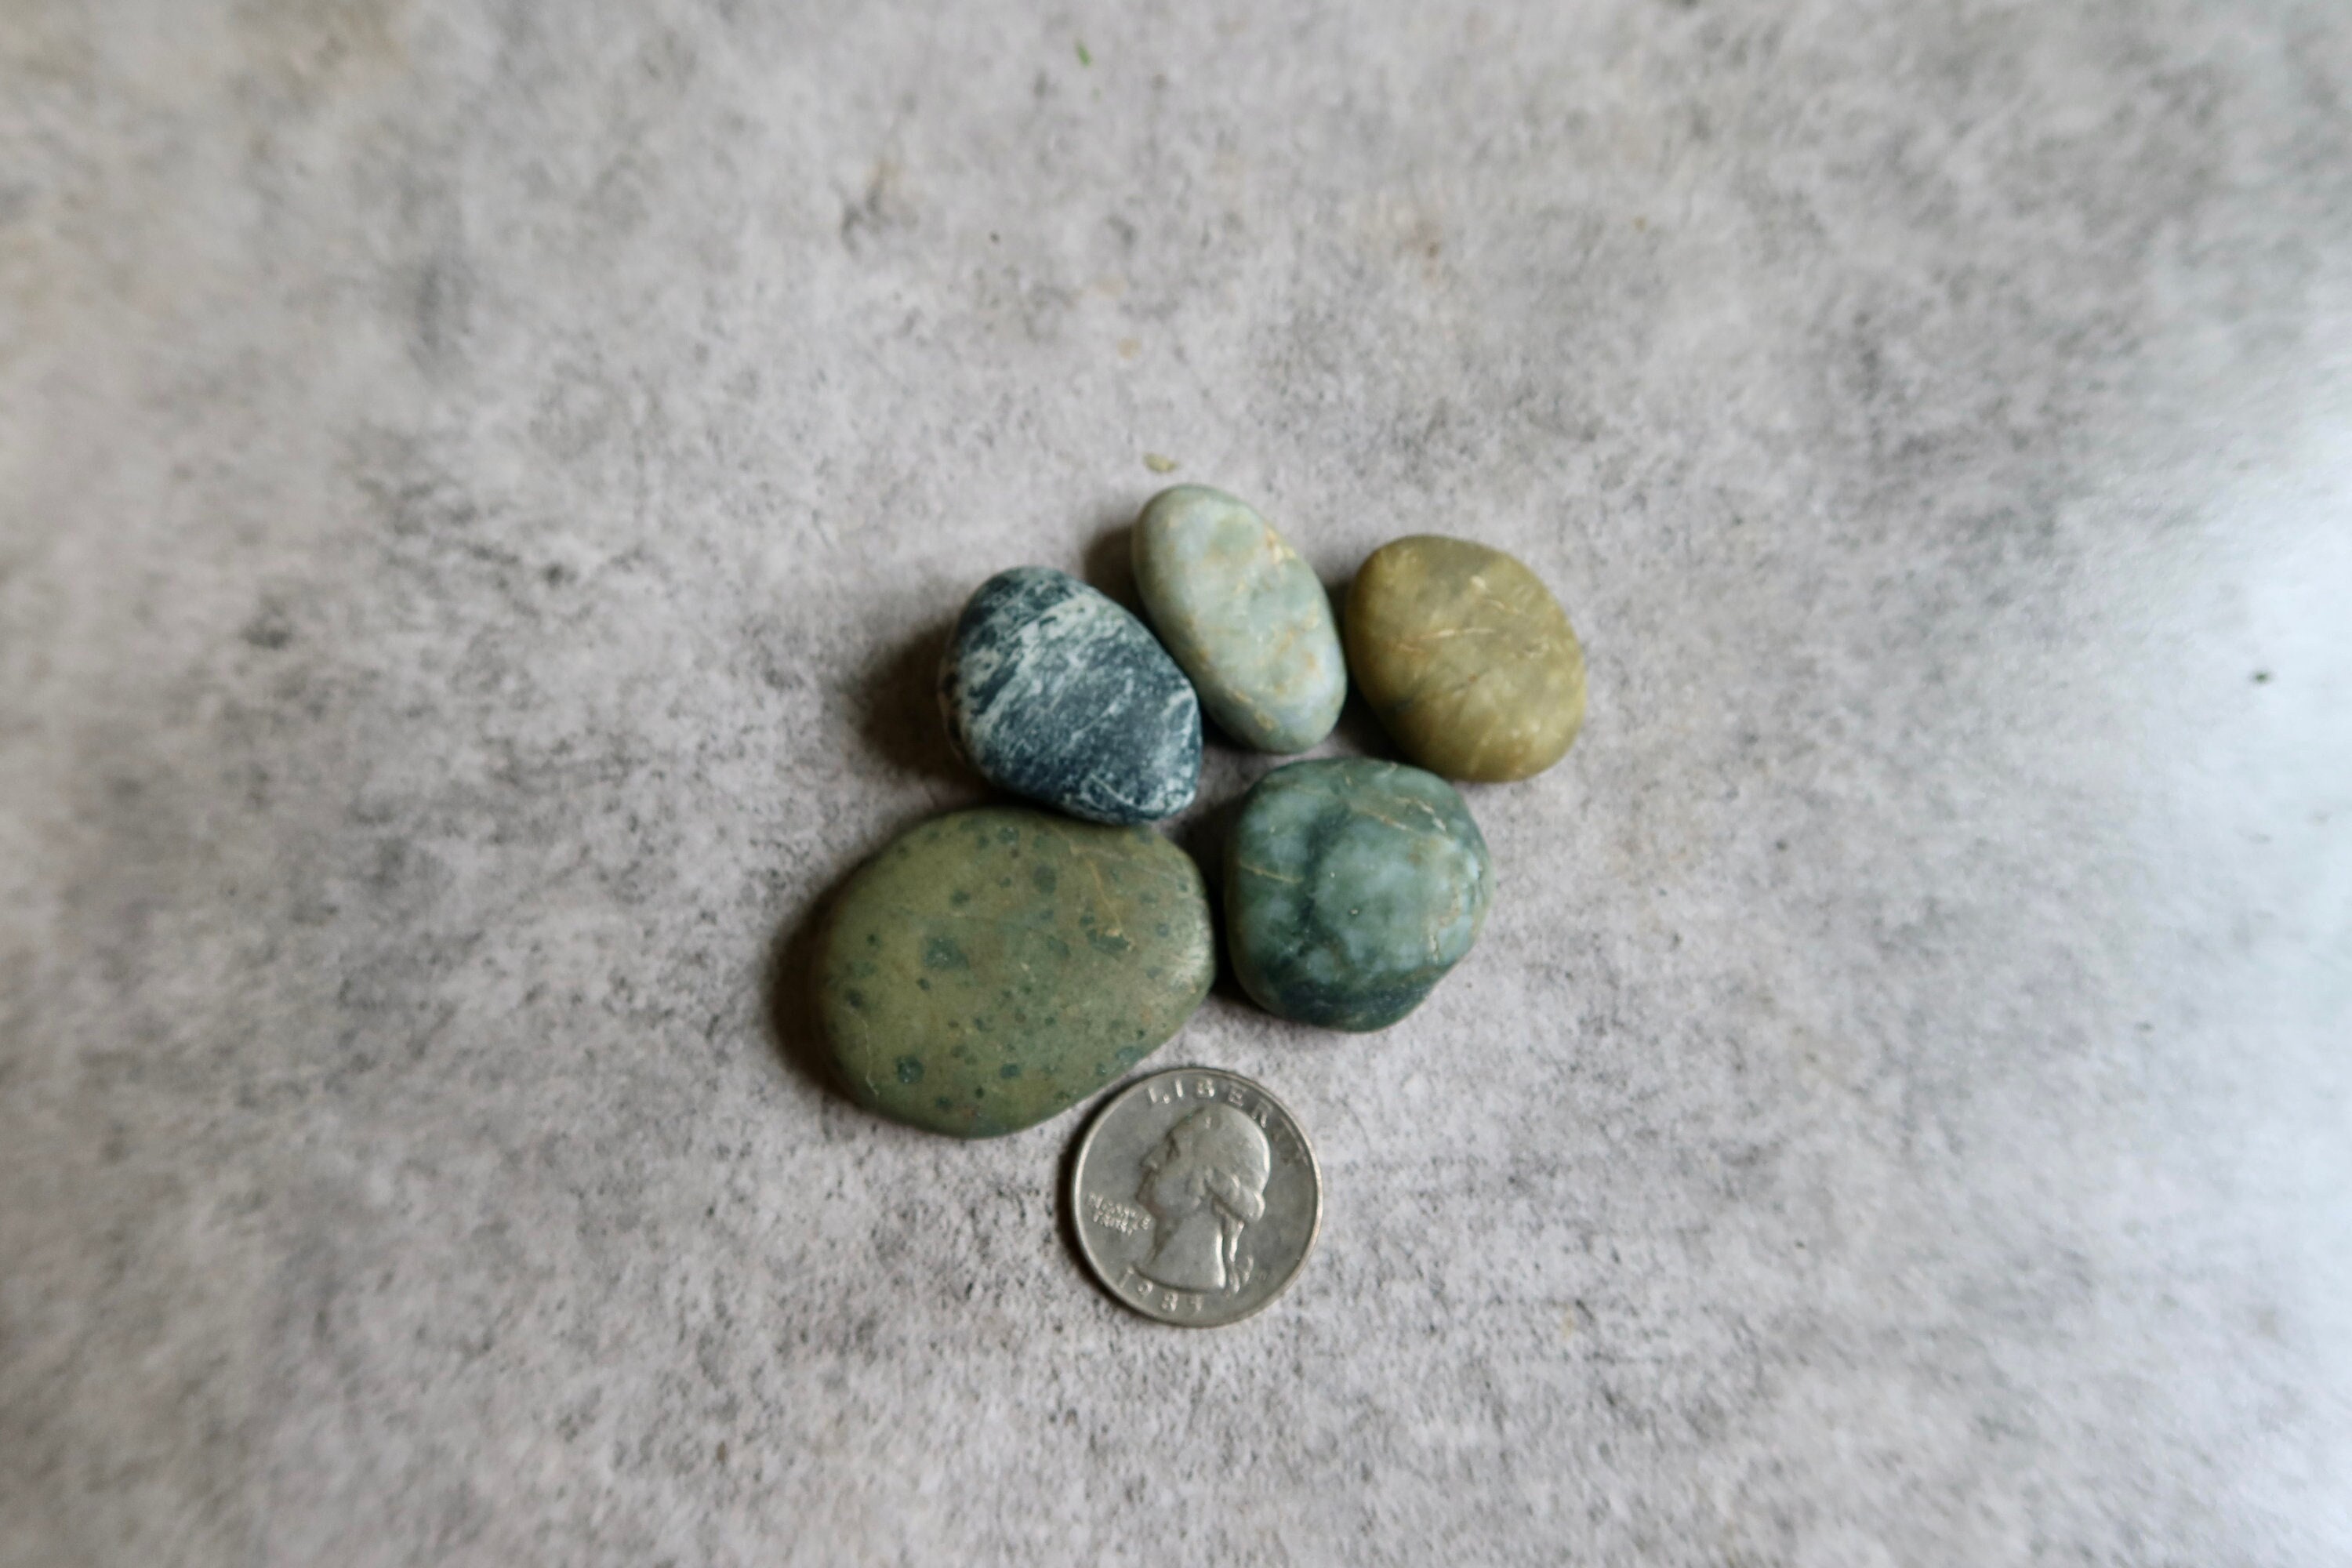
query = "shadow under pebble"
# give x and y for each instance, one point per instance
(897, 706)
(794, 1026)
(1108, 566)
(1203, 835)
(1358, 730)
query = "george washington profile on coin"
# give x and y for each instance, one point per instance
(1201, 1184)
(1194, 1196)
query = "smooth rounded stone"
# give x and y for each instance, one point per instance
(1351, 886)
(1467, 658)
(1246, 618)
(1054, 692)
(990, 967)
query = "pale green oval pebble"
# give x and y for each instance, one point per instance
(1244, 615)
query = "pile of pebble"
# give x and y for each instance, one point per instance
(993, 966)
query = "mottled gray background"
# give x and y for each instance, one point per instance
(479, 490)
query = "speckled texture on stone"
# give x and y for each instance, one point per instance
(1244, 615)
(1052, 691)
(481, 496)
(989, 967)
(1465, 657)
(1352, 887)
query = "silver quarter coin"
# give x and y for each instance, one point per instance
(1196, 1196)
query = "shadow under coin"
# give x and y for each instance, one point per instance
(1066, 1189)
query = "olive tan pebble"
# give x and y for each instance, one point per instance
(1467, 658)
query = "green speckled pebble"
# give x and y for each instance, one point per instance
(990, 967)
(1351, 886)
(1246, 618)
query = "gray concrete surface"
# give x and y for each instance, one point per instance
(479, 490)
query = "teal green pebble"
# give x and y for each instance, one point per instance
(990, 967)
(1245, 617)
(1351, 888)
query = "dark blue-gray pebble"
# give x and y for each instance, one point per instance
(1054, 692)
